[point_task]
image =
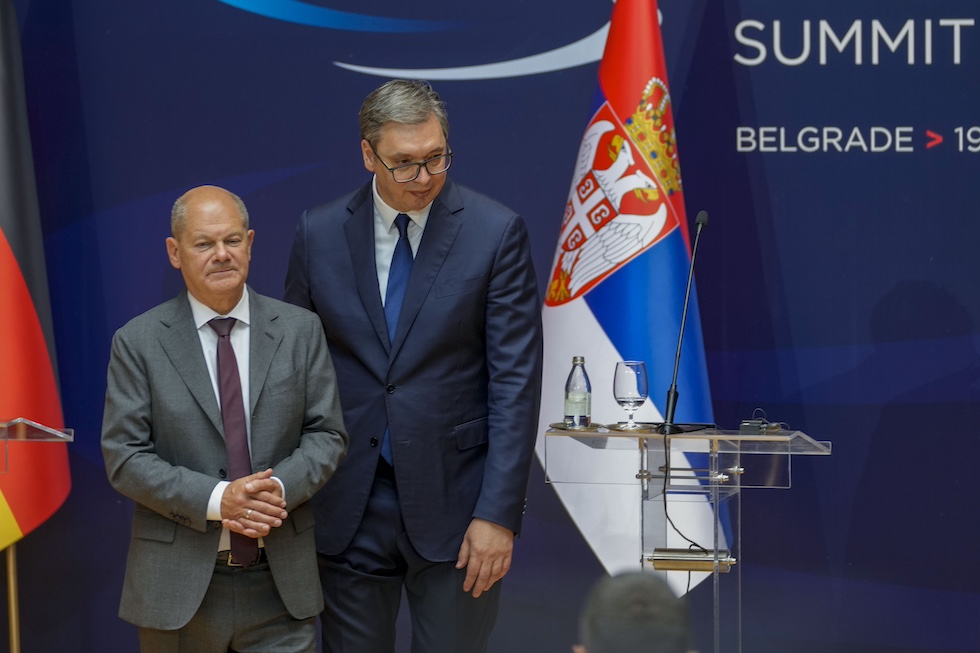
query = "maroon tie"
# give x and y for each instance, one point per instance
(243, 549)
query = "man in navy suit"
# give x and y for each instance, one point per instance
(428, 298)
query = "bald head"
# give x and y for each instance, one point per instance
(203, 195)
(211, 245)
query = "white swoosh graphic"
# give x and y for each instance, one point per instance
(579, 53)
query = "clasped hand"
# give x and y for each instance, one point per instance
(253, 505)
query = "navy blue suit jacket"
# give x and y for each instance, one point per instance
(460, 384)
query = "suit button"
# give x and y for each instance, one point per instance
(222, 473)
(374, 442)
(390, 388)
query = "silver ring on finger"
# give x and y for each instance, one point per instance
(248, 514)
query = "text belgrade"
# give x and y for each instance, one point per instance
(824, 139)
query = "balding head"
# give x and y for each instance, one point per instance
(211, 245)
(178, 215)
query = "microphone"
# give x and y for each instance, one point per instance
(668, 427)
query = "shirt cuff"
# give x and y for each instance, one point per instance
(279, 481)
(214, 503)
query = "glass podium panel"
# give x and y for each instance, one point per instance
(690, 508)
(25, 430)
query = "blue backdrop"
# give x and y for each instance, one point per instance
(837, 279)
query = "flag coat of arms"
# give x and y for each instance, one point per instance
(617, 284)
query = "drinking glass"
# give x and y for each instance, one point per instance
(630, 388)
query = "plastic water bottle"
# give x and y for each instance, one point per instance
(578, 396)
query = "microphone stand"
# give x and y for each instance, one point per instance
(668, 427)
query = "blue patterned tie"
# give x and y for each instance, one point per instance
(398, 273)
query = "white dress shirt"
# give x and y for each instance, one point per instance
(209, 345)
(386, 235)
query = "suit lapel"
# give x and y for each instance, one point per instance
(359, 230)
(182, 346)
(263, 342)
(440, 233)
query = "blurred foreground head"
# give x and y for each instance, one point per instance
(634, 612)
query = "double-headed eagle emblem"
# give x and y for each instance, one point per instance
(619, 204)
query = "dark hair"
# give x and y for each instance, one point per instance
(632, 613)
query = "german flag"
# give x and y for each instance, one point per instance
(36, 480)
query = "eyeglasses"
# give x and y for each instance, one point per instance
(410, 171)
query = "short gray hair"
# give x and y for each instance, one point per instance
(635, 611)
(401, 101)
(178, 214)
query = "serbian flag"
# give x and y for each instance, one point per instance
(616, 292)
(36, 480)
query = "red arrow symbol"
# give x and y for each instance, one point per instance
(934, 139)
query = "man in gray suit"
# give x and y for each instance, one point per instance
(178, 440)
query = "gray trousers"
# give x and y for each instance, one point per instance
(241, 612)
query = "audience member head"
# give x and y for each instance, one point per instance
(634, 612)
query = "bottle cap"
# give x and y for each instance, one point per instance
(578, 359)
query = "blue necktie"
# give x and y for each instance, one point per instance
(398, 273)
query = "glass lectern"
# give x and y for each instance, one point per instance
(701, 465)
(25, 430)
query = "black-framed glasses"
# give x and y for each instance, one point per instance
(410, 171)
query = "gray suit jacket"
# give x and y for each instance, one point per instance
(163, 445)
